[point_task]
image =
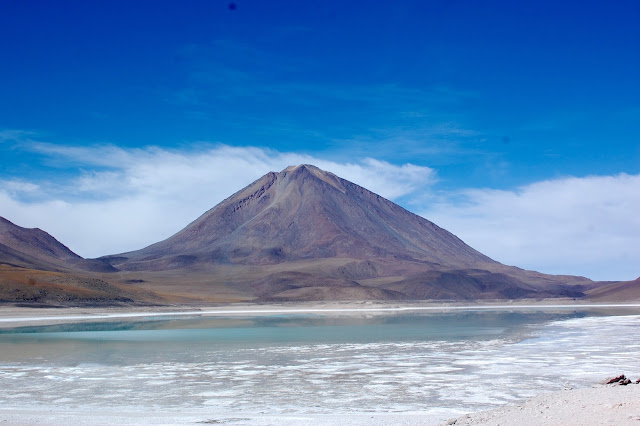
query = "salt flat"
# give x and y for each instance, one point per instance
(14, 316)
(383, 364)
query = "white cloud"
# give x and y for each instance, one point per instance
(584, 226)
(10, 135)
(383, 178)
(125, 199)
(18, 186)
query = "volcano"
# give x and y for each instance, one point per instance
(307, 234)
(304, 213)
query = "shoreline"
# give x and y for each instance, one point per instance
(12, 316)
(129, 416)
(598, 405)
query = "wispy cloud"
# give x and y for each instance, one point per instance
(14, 135)
(587, 225)
(116, 199)
(19, 186)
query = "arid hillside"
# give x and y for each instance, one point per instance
(302, 234)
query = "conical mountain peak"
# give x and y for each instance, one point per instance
(304, 212)
(299, 234)
(302, 167)
(301, 171)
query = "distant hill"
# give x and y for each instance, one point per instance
(623, 291)
(36, 269)
(303, 234)
(39, 250)
(9, 256)
(307, 234)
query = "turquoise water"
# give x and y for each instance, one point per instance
(457, 361)
(130, 342)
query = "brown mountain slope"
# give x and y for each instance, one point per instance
(301, 213)
(11, 257)
(624, 291)
(306, 234)
(38, 270)
(34, 242)
(30, 286)
(36, 249)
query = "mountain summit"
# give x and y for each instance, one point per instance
(302, 234)
(307, 234)
(304, 213)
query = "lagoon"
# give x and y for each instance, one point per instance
(439, 364)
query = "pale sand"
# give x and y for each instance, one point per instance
(602, 405)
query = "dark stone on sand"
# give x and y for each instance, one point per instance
(616, 379)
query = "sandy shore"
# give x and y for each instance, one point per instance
(601, 405)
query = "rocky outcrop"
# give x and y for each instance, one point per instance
(619, 380)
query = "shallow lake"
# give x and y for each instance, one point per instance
(407, 362)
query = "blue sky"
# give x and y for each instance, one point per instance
(516, 125)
